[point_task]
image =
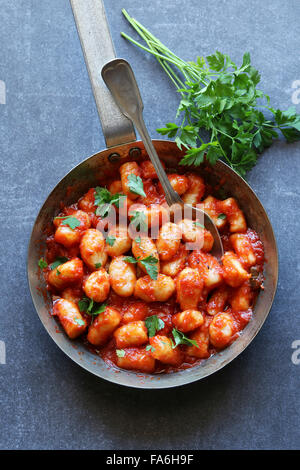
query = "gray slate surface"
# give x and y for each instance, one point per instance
(48, 124)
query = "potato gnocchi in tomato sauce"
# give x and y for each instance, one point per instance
(151, 304)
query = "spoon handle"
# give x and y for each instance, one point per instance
(120, 80)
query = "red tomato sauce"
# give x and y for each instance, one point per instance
(133, 309)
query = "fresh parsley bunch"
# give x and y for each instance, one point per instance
(221, 98)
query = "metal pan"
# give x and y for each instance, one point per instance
(122, 146)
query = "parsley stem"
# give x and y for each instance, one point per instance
(146, 48)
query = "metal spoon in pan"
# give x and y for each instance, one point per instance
(120, 80)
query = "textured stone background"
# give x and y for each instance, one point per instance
(48, 124)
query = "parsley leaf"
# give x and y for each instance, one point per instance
(102, 196)
(90, 307)
(153, 324)
(84, 303)
(60, 260)
(104, 200)
(130, 259)
(150, 348)
(103, 210)
(151, 265)
(110, 240)
(222, 216)
(135, 184)
(120, 352)
(197, 224)
(139, 221)
(72, 222)
(98, 265)
(42, 264)
(222, 99)
(180, 338)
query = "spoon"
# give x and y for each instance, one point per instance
(120, 80)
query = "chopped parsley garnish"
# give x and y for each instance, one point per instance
(98, 265)
(104, 200)
(150, 264)
(139, 221)
(42, 264)
(120, 352)
(135, 184)
(90, 307)
(72, 222)
(197, 224)
(79, 321)
(222, 216)
(180, 338)
(60, 260)
(110, 240)
(154, 324)
(130, 259)
(150, 348)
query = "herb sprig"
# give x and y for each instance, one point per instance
(139, 220)
(150, 263)
(60, 260)
(223, 99)
(154, 324)
(104, 200)
(72, 222)
(180, 338)
(90, 307)
(135, 184)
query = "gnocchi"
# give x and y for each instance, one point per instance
(136, 359)
(189, 286)
(168, 242)
(97, 285)
(103, 327)
(92, 249)
(195, 191)
(188, 320)
(158, 290)
(221, 330)
(131, 334)
(122, 276)
(141, 286)
(163, 350)
(66, 274)
(118, 241)
(70, 317)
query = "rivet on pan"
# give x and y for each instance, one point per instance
(135, 152)
(114, 157)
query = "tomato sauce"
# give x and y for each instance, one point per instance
(134, 309)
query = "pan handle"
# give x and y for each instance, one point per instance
(98, 49)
